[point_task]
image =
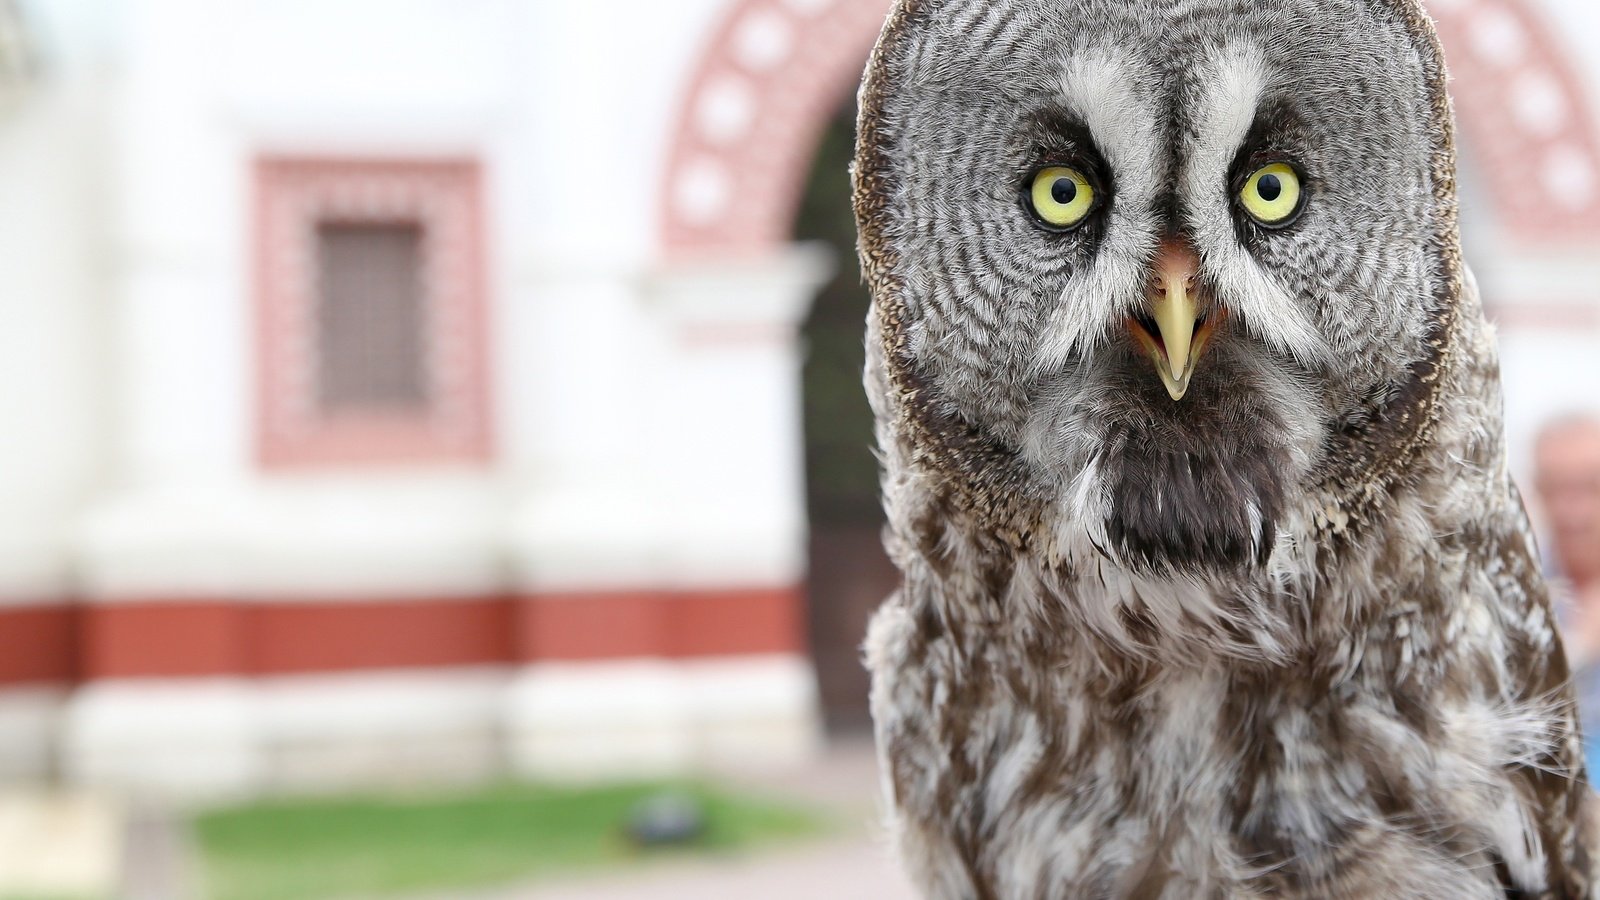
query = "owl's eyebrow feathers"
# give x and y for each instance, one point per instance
(1111, 94)
(1100, 87)
(1228, 104)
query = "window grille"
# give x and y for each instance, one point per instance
(370, 325)
(371, 334)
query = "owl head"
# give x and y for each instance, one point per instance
(1157, 272)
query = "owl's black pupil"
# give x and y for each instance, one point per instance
(1064, 191)
(1269, 187)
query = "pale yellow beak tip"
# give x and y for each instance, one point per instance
(1177, 383)
(1175, 317)
(1175, 310)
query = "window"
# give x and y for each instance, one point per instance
(369, 318)
(370, 307)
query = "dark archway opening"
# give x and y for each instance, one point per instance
(850, 575)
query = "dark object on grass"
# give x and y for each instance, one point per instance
(667, 820)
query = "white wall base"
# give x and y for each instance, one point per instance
(215, 739)
(188, 739)
(341, 731)
(208, 740)
(595, 720)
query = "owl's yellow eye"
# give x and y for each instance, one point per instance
(1272, 195)
(1061, 197)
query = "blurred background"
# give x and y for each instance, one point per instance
(435, 456)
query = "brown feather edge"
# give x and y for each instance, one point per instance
(1369, 463)
(974, 477)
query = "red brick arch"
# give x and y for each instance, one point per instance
(775, 72)
(1526, 113)
(769, 82)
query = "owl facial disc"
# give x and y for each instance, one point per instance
(1176, 327)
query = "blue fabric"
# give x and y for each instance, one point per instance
(1586, 682)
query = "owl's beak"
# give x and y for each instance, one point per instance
(1175, 328)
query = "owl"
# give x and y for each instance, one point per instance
(1215, 580)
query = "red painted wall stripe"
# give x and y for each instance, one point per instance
(38, 645)
(191, 639)
(676, 625)
(198, 638)
(322, 637)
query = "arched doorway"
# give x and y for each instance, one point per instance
(850, 575)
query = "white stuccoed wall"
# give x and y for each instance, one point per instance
(52, 350)
(52, 338)
(607, 398)
(572, 142)
(595, 485)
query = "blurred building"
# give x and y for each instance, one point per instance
(436, 387)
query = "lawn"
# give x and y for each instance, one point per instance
(365, 846)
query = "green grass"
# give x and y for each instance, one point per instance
(366, 846)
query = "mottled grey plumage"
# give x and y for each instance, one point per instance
(1286, 637)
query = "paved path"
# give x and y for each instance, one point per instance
(159, 861)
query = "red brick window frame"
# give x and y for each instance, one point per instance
(300, 202)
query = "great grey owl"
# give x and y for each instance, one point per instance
(1215, 581)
